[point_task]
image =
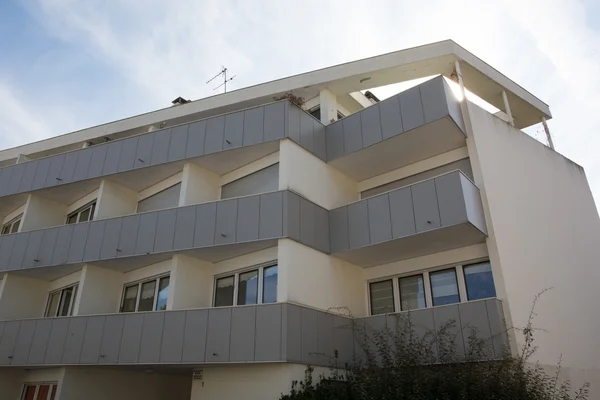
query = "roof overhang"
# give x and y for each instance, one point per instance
(400, 66)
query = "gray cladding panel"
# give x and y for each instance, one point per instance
(5, 174)
(380, 224)
(160, 150)
(146, 233)
(274, 121)
(165, 231)
(47, 247)
(177, 143)
(60, 337)
(68, 169)
(371, 125)
(422, 322)
(411, 108)
(6, 250)
(93, 243)
(214, 135)
(358, 224)
(33, 249)
(234, 130)
(129, 233)
(248, 219)
(391, 119)
(143, 152)
(307, 222)
(196, 136)
(243, 320)
(291, 213)
(307, 131)
(310, 341)
(325, 337)
(218, 336)
(152, 335)
(226, 222)
(18, 250)
(204, 234)
(339, 229)
(41, 173)
(63, 243)
(498, 329)
(171, 346)
(111, 339)
(321, 239)
(433, 97)
(73, 347)
(54, 171)
(8, 341)
(268, 333)
(294, 114)
(451, 200)
(92, 340)
(352, 133)
(402, 212)
(110, 241)
(271, 214)
(82, 167)
(448, 317)
(184, 228)
(15, 179)
(79, 238)
(195, 335)
(425, 204)
(23, 344)
(293, 332)
(130, 338)
(127, 157)
(113, 155)
(39, 343)
(253, 126)
(319, 141)
(334, 135)
(475, 323)
(97, 162)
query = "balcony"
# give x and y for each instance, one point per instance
(219, 144)
(435, 215)
(416, 124)
(279, 332)
(210, 231)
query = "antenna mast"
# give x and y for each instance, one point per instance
(225, 80)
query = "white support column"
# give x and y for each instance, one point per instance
(548, 136)
(328, 102)
(460, 79)
(507, 108)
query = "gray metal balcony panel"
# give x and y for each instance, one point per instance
(416, 124)
(437, 214)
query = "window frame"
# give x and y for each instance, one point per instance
(91, 206)
(394, 295)
(52, 384)
(139, 283)
(458, 290)
(236, 276)
(10, 224)
(60, 291)
(464, 278)
(460, 279)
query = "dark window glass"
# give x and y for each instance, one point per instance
(65, 302)
(248, 288)
(72, 219)
(479, 281)
(147, 296)
(163, 293)
(130, 298)
(270, 284)
(382, 297)
(412, 293)
(316, 113)
(224, 292)
(444, 287)
(53, 304)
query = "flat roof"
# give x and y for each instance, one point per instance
(431, 59)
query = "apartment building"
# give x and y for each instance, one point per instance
(203, 251)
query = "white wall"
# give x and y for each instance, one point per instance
(191, 283)
(99, 291)
(11, 383)
(22, 297)
(247, 260)
(14, 214)
(160, 186)
(115, 200)
(88, 198)
(544, 232)
(311, 177)
(122, 384)
(42, 213)
(309, 277)
(251, 168)
(250, 382)
(198, 185)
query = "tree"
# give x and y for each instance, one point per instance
(397, 363)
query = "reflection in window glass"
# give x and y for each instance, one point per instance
(248, 288)
(479, 281)
(129, 298)
(147, 296)
(270, 284)
(163, 294)
(382, 297)
(412, 293)
(444, 287)
(224, 292)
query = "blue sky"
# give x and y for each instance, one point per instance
(71, 64)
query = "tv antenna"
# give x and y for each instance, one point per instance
(225, 80)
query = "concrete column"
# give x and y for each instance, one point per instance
(99, 291)
(191, 283)
(42, 213)
(507, 108)
(22, 158)
(328, 106)
(22, 297)
(198, 185)
(115, 200)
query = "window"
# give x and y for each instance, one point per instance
(40, 391)
(61, 302)
(167, 198)
(479, 281)
(12, 226)
(254, 286)
(316, 112)
(444, 287)
(84, 214)
(382, 297)
(412, 293)
(147, 295)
